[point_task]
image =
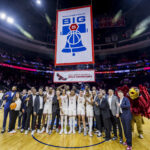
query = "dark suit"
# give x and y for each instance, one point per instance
(28, 110)
(7, 105)
(114, 109)
(126, 120)
(55, 112)
(97, 114)
(23, 116)
(39, 112)
(104, 110)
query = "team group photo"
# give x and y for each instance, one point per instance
(75, 75)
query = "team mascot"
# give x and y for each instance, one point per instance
(140, 105)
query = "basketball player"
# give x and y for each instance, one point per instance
(89, 111)
(81, 111)
(87, 88)
(67, 88)
(72, 111)
(47, 112)
(63, 110)
(46, 90)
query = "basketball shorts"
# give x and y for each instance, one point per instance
(65, 112)
(47, 109)
(81, 111)
(72, 112)
(89, 113)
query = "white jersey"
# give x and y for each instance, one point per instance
(64, 101)
(49, 99)
(72, 102)
(81, 102)
(88, 106)
(48, 104)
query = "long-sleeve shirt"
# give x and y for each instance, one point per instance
(18, 102)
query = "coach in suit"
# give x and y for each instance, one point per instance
(22, 117)
(104, 110)
(27, 109)
(8, 97)
(97, 115)
(55, 111)
(124, 105)
(38, 110)
(114, 114)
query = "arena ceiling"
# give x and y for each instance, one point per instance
(31, 17)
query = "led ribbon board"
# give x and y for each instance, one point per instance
(74, 36)
(74, 76)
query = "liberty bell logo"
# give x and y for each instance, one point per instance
(74, 41)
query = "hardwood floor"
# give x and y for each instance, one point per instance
(20, 141)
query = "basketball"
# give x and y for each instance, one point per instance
(13, 106)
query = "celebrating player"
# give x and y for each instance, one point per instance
(63, 111)
(89, 111)
(81, 111)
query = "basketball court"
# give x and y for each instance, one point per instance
(76, 141)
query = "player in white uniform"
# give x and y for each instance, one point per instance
(47, 111)
(63, 111)
(81, 111)
(72, 111)
(89, 111)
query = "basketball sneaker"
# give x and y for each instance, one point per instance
(90, 134)
(85, 132)
(3, 131)
(129, 148)
(32, 133)
(74, 131)
(47, 130)
(11, 132)
(26, 132)
(43, 129)
(141, 136)
(38, 131)
(50, 132)
(79, 130)
(21, 130)
(57, 130)
(65, 131)
(99, 134)
(70, 132)
(61, 131)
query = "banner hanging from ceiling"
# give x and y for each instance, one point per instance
(74, 76)
(74, 36)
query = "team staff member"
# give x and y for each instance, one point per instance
(27, 108)
(114, 114)
(55, 111)
(8, 97)
(22, 117)
(14, 113)
(98, 116)
(38, 111)
(104, 110)
(124, 105)
(34, 93)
